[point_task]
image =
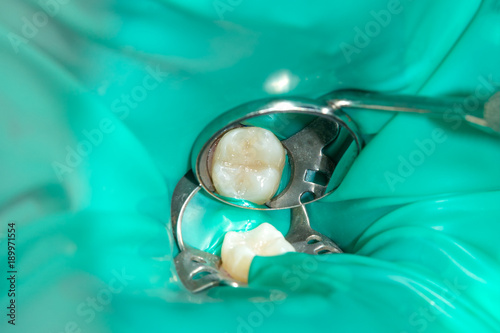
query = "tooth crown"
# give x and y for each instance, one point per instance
(247, 164)
(239, 249)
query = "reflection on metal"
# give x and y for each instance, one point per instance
(305, 148)
(320, 155)
(305, 153)
(199, 270)
(485, 116)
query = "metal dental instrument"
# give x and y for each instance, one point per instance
(304, 239)
(332, 128)
(199, 270)
(314, 174)
(485, 116)
(320, 155)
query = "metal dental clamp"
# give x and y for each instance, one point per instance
(314, 174)
(199, 270)
(332, 128)
(320, 155)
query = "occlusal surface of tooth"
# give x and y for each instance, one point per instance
(247, 164)
(239, 249)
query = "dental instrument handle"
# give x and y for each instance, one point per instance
(484, 115)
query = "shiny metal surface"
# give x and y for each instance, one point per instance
(306, 148)
(304, 238)
(186, 188)
(305, 152)
(484, 116)
(302, 158)
(199, 270)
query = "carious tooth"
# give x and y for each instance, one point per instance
(247, 164)
(239, 249)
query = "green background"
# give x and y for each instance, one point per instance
(101, 101)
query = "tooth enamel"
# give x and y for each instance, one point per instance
(239, 249)
(247, 164)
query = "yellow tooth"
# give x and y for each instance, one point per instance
(247, 164)
(239, 249)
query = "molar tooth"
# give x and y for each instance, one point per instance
(247, 164)
(239, 249)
